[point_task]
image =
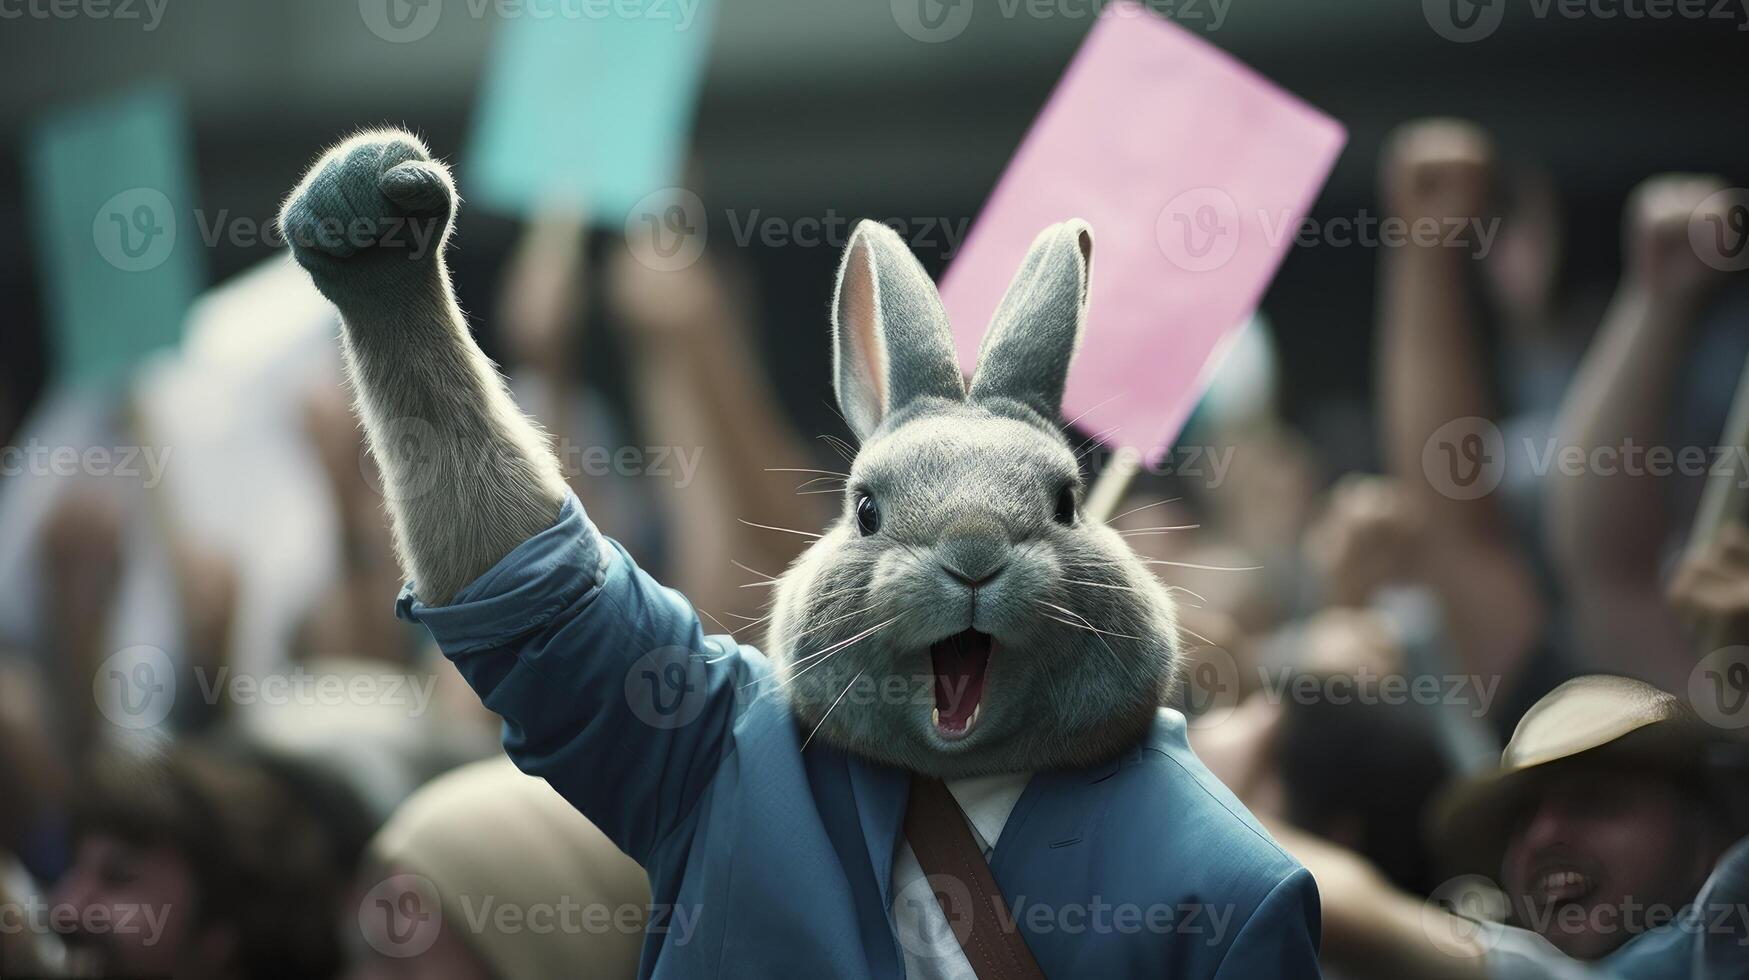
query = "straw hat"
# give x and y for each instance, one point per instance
(1598, 720)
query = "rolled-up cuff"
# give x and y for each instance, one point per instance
(523, 592)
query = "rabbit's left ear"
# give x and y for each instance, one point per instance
(1026, 352)
(890, 339)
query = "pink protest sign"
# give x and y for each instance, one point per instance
(1195, 173)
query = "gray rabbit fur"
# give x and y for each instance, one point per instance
(1074, 641)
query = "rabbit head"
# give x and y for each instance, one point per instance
(961, 616)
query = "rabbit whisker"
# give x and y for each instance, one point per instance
(791, 469)
(1095, 437)
(1185, 629)
(787, 530)
(1090, 411)
(836, 647)
(817, 627)
(1108, 650)
(1189, 592)
(1098, 585)
(843, 448)
(715, 620)
(1159, 530)
(1205, 568)
(1084, 623)
(828, 713)
(750, 568)
(1138, 510)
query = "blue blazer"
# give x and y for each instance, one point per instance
(766, 860)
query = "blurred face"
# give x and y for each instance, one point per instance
(1602, 856)
(130, 911)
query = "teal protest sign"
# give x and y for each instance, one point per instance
(112, 194)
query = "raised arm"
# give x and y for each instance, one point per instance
(606, 683)
(1432, 377)
(1607, 531)
(467, 476)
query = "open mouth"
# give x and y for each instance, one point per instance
(961, 662)
(1562, 886)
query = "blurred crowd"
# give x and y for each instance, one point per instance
(1495, 706)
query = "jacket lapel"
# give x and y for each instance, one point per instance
(1054, 812)
(881, 794)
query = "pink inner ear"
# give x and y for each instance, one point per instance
(861, 301)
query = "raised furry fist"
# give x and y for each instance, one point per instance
(371, 215)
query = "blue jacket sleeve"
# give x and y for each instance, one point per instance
(1280, 939)
(607, 685)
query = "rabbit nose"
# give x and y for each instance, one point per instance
(974, 581)
(973, 561)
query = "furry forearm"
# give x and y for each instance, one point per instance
(466, 474)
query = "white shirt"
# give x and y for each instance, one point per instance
(931, 950)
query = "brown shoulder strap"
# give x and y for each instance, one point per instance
(962, 883)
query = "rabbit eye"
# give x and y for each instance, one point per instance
(868, 515)
(1066, 505)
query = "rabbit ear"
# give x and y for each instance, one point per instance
(1032, 338)
(890, 340)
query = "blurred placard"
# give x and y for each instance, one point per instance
(589, 106)
(112, 192)
(1195, 173)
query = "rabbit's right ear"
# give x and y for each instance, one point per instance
(890, 338)
(1032, 338)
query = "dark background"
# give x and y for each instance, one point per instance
(812, 105)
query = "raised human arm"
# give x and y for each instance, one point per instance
(1607, 527)
(1432, 376)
